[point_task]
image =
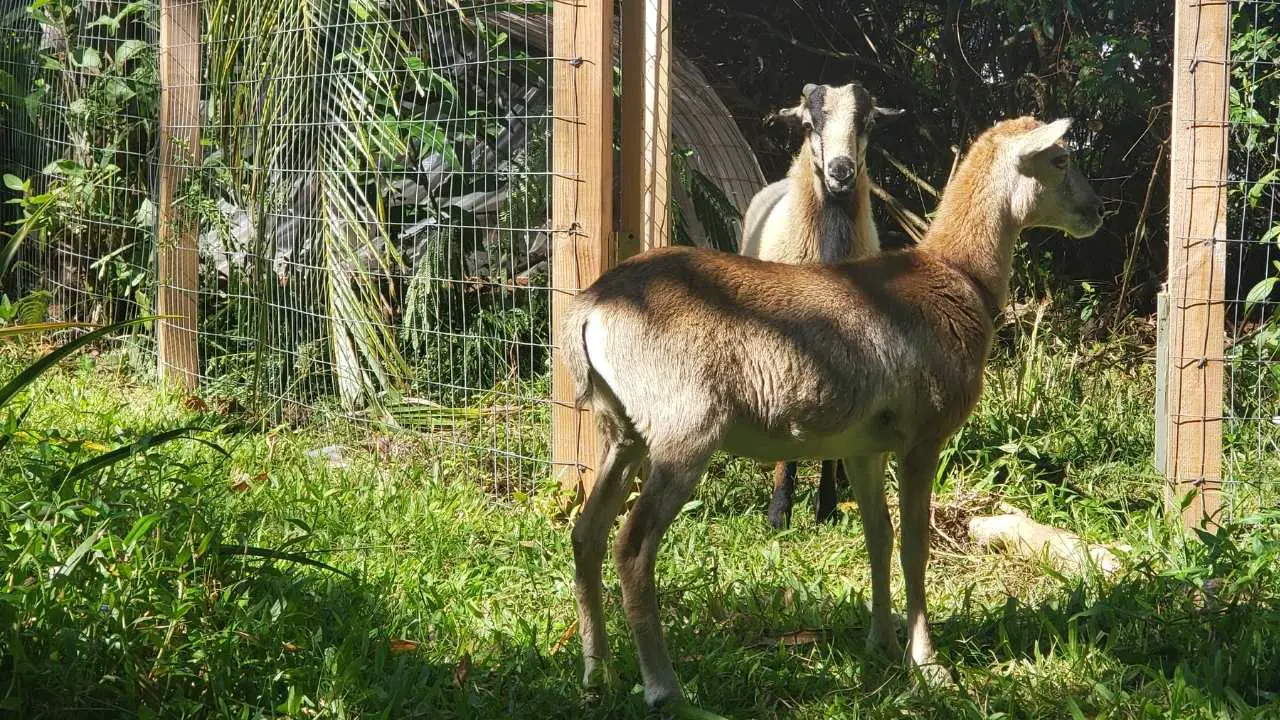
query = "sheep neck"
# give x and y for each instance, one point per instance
(975, 229)
(813, 202)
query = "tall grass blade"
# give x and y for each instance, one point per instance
(30, 328)
(53, 357)
(268, 553)
(142, 444)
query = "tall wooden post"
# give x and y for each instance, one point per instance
(177, 260)
(581, 205)
(1197, 259)
(645, 213)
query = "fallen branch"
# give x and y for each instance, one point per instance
(1015, 532)
(906, 172)
(912, 224)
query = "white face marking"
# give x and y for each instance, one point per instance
(840, 136)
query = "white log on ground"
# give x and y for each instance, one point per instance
(1016, 533)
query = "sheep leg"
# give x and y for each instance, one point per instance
(867, 476)
(918, 467)
(833, 472)
(590, 536)
(635, 550)
(784, 495)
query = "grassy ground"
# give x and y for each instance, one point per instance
(133, 590)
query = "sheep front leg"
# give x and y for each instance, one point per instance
(866, 475)
(919, 465)
(784, 493)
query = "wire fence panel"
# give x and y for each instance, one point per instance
(370, 191)
(375, 193)
(1252, 430)
(78, 93)
(1220, 392)
(353, 196)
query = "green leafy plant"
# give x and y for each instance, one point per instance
(91, 78)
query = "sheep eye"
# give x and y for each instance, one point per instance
(1061, 161)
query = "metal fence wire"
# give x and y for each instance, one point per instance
(371, 193)
(365, 184)
(370, 189)
(1251, 433)
(77, 93)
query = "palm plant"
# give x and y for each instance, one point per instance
(303, 99)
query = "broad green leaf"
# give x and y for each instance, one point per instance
(14, 183)
(1259, 292)
(89, 58)
(129, 49)
(140, 528)
(106, 21)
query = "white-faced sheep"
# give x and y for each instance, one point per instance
(819, 213)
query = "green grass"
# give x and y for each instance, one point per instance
(128, 592)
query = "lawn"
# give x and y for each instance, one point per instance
(243, 575)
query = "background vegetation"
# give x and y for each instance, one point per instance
(373, 243)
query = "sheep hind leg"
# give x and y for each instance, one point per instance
(833, 475)
(784, 495)
(664, 492)
(619, 459)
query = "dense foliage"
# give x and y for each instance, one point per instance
(958, 66)
(373, 188)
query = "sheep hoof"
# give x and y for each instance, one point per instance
(935, 676)
(684, 710)
(598, 677)
(779, 519)
(886, 644)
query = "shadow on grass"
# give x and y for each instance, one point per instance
(305, 644)
(285, 643)
(1148, 641)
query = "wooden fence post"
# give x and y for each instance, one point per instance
(177, 260)
(581, 205)
(1197, 260)
(645, 215)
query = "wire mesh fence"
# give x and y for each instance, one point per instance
(369, 194)
(1252, 408)
(350, 198)
(379, 225)
(1222, 389)
(78, 88)
(367, 190)
(1252, 430)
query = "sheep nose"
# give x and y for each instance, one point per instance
(840, 169)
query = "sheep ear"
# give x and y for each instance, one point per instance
(1043, 137)
(884, 114)
(793, 116)
(808, 88)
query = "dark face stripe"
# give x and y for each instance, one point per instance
(863, 103)
(817, 107)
